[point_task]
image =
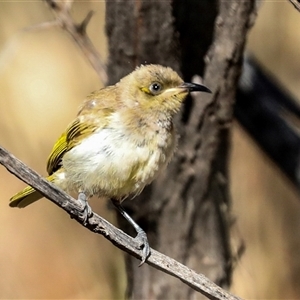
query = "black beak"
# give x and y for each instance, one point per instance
(194, 87)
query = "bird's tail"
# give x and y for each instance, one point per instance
(27, 196)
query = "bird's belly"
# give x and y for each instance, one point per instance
(110, 164)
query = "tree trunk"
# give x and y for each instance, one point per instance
(186, 212)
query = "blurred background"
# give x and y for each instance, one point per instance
(43, 80)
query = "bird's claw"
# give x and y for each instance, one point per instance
(87, 210)
(142, 239)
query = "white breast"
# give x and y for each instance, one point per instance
(108, 162)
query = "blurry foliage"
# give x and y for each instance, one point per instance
(43, 80)
(265, 203)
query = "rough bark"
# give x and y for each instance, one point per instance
(186, 212)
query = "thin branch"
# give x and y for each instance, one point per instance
(78, 33)
(120, 239)
(296, 4)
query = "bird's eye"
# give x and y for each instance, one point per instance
(155, 88)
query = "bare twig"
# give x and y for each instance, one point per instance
(296, 4)
(78, 33)
(99, 225)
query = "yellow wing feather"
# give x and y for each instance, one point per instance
(67, 141)
(54, 159)
(84, 125)
(26, 196)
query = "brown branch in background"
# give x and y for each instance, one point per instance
(120, 239)
(64, 19)
(296, 4)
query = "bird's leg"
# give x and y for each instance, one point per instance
(87, 210)
(141, 234)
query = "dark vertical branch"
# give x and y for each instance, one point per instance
(194, 22)
(186, 211)
(140, 32)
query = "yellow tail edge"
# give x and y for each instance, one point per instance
(26, 196)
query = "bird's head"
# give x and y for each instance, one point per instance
(154, 88)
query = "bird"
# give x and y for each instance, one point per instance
(122, 137)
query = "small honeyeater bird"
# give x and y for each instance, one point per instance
(122, 137)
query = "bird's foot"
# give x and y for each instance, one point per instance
(142, 239)
(87, 210)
